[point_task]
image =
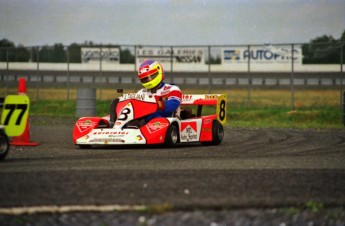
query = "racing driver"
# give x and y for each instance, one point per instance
(168, 96)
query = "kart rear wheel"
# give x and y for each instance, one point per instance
(4, 144)
(171, 137)
(217, 134)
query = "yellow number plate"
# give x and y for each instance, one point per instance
(15, 114)
(221, 108)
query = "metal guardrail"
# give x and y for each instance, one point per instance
(109, 79)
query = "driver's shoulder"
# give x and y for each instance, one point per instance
(172, 86)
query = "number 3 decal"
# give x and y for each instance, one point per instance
(221, 108)
(15, 114)
(124, 114)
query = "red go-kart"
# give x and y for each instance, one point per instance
(182, 127)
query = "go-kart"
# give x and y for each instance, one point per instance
(182, 127)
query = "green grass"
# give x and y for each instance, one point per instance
(323, 117)
(237, 115)
(53, 108)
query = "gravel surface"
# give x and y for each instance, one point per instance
(257, 217)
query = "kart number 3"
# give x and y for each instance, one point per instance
(124, 114)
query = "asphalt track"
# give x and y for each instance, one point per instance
(252, 168)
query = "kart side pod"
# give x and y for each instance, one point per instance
(84, 125)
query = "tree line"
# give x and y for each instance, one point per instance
(320, 50)
(324, 50)
(58, 53)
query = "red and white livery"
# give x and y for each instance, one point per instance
(183, 126)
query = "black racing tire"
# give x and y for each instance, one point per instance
(171, 137)
(217, 134)
(4, 144)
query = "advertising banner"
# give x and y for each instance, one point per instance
(267, 54)
(178, 55)
(93, 54)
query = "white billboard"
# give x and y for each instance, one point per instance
(178, 55)
(93, 54)
(267, 54)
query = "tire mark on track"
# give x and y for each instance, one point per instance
(285, 142)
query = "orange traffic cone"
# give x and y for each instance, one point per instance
(24, 139)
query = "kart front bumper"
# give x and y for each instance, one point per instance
(112, 137)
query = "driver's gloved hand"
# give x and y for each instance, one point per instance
(160, 105)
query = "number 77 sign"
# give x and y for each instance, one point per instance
(15, 114)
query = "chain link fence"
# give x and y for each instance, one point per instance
(207, 68)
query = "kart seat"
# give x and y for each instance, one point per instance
(103, 124)
(184, 113)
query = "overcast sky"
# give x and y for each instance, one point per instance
(169, 22)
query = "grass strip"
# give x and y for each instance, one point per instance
(237, 116)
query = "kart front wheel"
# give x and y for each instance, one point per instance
(4, 144)
(171, 136)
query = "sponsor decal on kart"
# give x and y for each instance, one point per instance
(106, 140)
(155, 126)
(211, 96)
(84, 125)
(189, 131)
(186, 97)
(112, 137)
(110, 133)
(206, 130)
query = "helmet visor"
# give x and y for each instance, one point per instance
(149, 78)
